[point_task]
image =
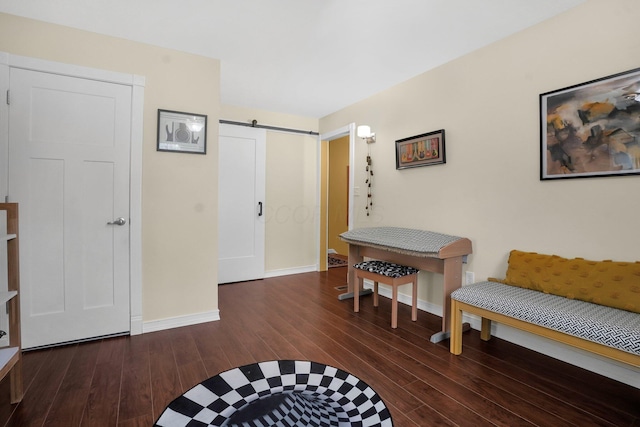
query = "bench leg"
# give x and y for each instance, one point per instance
(485, 331)
(394, 307)
(375, 294)
(455, 342)
(414, 300)
(356, 294)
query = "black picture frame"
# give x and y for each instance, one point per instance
(181, 132)
(591, 129)
(426, 149)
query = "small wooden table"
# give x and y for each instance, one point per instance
(424, 250)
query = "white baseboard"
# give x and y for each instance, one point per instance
(618, 371)
(136, 325)
(176, 322)
(289, 271)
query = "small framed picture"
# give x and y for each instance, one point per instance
(182, 132)
(421, 150)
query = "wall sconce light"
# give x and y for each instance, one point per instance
(365, 133)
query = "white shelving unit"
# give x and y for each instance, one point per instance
(10, 353)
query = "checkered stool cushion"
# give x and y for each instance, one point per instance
(384, 268)
(280, 393)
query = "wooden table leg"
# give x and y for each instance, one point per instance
(452, 281)
(354, 258)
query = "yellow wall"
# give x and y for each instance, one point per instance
(338, 194)
(291, 226)
(179, 244)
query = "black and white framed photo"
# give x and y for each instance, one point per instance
(182, 132)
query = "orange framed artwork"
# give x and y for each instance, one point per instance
(421, 150)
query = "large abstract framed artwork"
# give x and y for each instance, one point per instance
(591, 129)
(421, 150)
(182, 132)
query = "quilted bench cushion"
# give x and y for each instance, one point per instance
(601, 324)
(611, 283)
(384, 268)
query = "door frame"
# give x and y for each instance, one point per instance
(321, 244)
(137, 83)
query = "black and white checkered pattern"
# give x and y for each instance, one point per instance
(384, 268)
(601, 324)
(308, 394)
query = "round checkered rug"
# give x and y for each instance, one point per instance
(280, 393)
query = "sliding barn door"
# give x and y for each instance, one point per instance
(241, 201)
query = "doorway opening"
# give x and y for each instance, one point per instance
(336, 193)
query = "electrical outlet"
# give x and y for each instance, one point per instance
(469, 277)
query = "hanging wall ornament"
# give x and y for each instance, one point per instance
(368, 182)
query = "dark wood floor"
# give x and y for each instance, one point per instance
(128, 381)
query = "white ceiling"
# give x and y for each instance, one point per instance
(304, 57)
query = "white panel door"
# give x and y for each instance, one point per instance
(241, 194)
(69, 148)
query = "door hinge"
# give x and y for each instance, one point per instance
(8, 99)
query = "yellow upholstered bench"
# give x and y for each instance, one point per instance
(390, 274)
(592, 305)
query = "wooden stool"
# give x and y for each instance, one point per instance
(390, 274)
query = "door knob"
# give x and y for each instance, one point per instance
(118, 221)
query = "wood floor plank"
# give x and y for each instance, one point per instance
(127, 381)
(37, 401)
(135, 389)
(205, 338)
(458, 412)
(425, 415)
(352, 363)
(585, 399)
(355, 341)
(191, 374)
(164, 375)
(104, 395)
(69, 405)
(141, 421)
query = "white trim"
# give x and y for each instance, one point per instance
(350, 130)
(135, 206)
(4, 125)
(137, 84)
(583, 359)
(179, 321)
(289, 271)
(136, 325)
(35, 64)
